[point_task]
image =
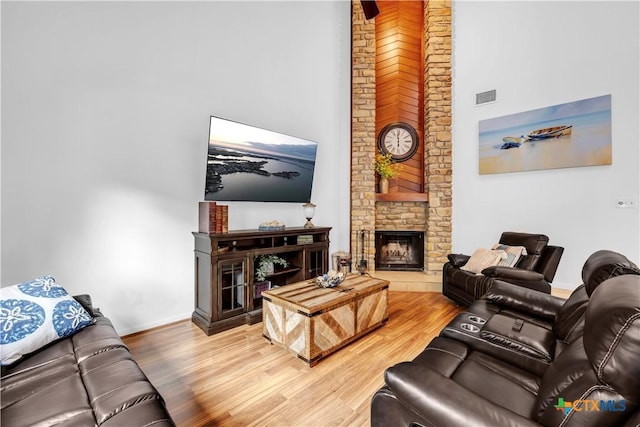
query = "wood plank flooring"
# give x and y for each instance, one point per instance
(236, 378)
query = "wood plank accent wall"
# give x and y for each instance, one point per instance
(399, 80)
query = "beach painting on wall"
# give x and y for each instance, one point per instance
(561, 136)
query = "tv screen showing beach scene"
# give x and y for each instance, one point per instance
(560, 136)
(246, 163)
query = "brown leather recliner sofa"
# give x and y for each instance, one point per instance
(592, 379)
(535, 270)
(530, 329)
(87, 379)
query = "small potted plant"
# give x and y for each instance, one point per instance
(386, 168)
(266, 266)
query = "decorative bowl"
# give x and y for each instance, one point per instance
(274, 225)
(330, 280)
(270, 227)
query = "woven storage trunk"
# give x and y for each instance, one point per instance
(313, 322)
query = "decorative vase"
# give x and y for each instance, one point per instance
(384, 185)
(270, 269)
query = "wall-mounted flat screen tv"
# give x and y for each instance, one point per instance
(246, 163)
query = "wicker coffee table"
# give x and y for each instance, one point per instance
(313, 322)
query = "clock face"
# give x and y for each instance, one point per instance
(398, 139)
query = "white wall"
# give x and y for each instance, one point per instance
(537, 54)
(105, 120)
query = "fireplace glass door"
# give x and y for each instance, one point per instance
(400, 250)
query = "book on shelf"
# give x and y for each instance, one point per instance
(225, 218)
(260, 287)
(305, 239)
(206, 217)
(218, 225)
(213, 218)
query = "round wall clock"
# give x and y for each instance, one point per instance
(398, 139)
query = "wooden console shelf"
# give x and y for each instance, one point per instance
(226, 294)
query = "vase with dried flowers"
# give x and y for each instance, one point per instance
(386, 168)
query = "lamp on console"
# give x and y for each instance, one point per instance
(308, 209)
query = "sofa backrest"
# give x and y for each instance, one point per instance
(534, 243)
(599, 267)
(549, 261)
(612, 334)
(569, 322)
(595, 381)
(603, 265)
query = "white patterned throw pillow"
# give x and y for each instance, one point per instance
(36, 313)
(514, 253)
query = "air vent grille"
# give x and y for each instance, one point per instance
(484, 97)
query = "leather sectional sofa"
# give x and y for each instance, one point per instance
(519, 357)
(547, 324)
(535, 270)
(87, 379)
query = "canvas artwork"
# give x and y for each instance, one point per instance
(561, 136)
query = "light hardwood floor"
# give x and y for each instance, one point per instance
(236, 378)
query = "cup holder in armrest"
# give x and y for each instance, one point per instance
(470, 328)
(478, 320)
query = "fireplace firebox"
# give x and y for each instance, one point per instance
(400, 250)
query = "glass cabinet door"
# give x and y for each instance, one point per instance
(316, 263)
(232, 283)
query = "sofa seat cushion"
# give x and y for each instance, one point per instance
(140, 415)
(87, 379)
(419, 396)
(443, 355)
(114, 382)
(100, 337)
(46, 392)
(511, 387)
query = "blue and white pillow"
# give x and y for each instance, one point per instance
(36, 313)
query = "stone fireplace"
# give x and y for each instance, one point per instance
(400, 250)
(426, 209)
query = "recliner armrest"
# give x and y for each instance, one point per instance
(512, 273)
(522, 299)
(519, 276)
(442, 401)
(458, 260)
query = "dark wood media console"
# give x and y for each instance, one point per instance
(226, 294)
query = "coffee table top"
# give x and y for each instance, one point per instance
(309, 298)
